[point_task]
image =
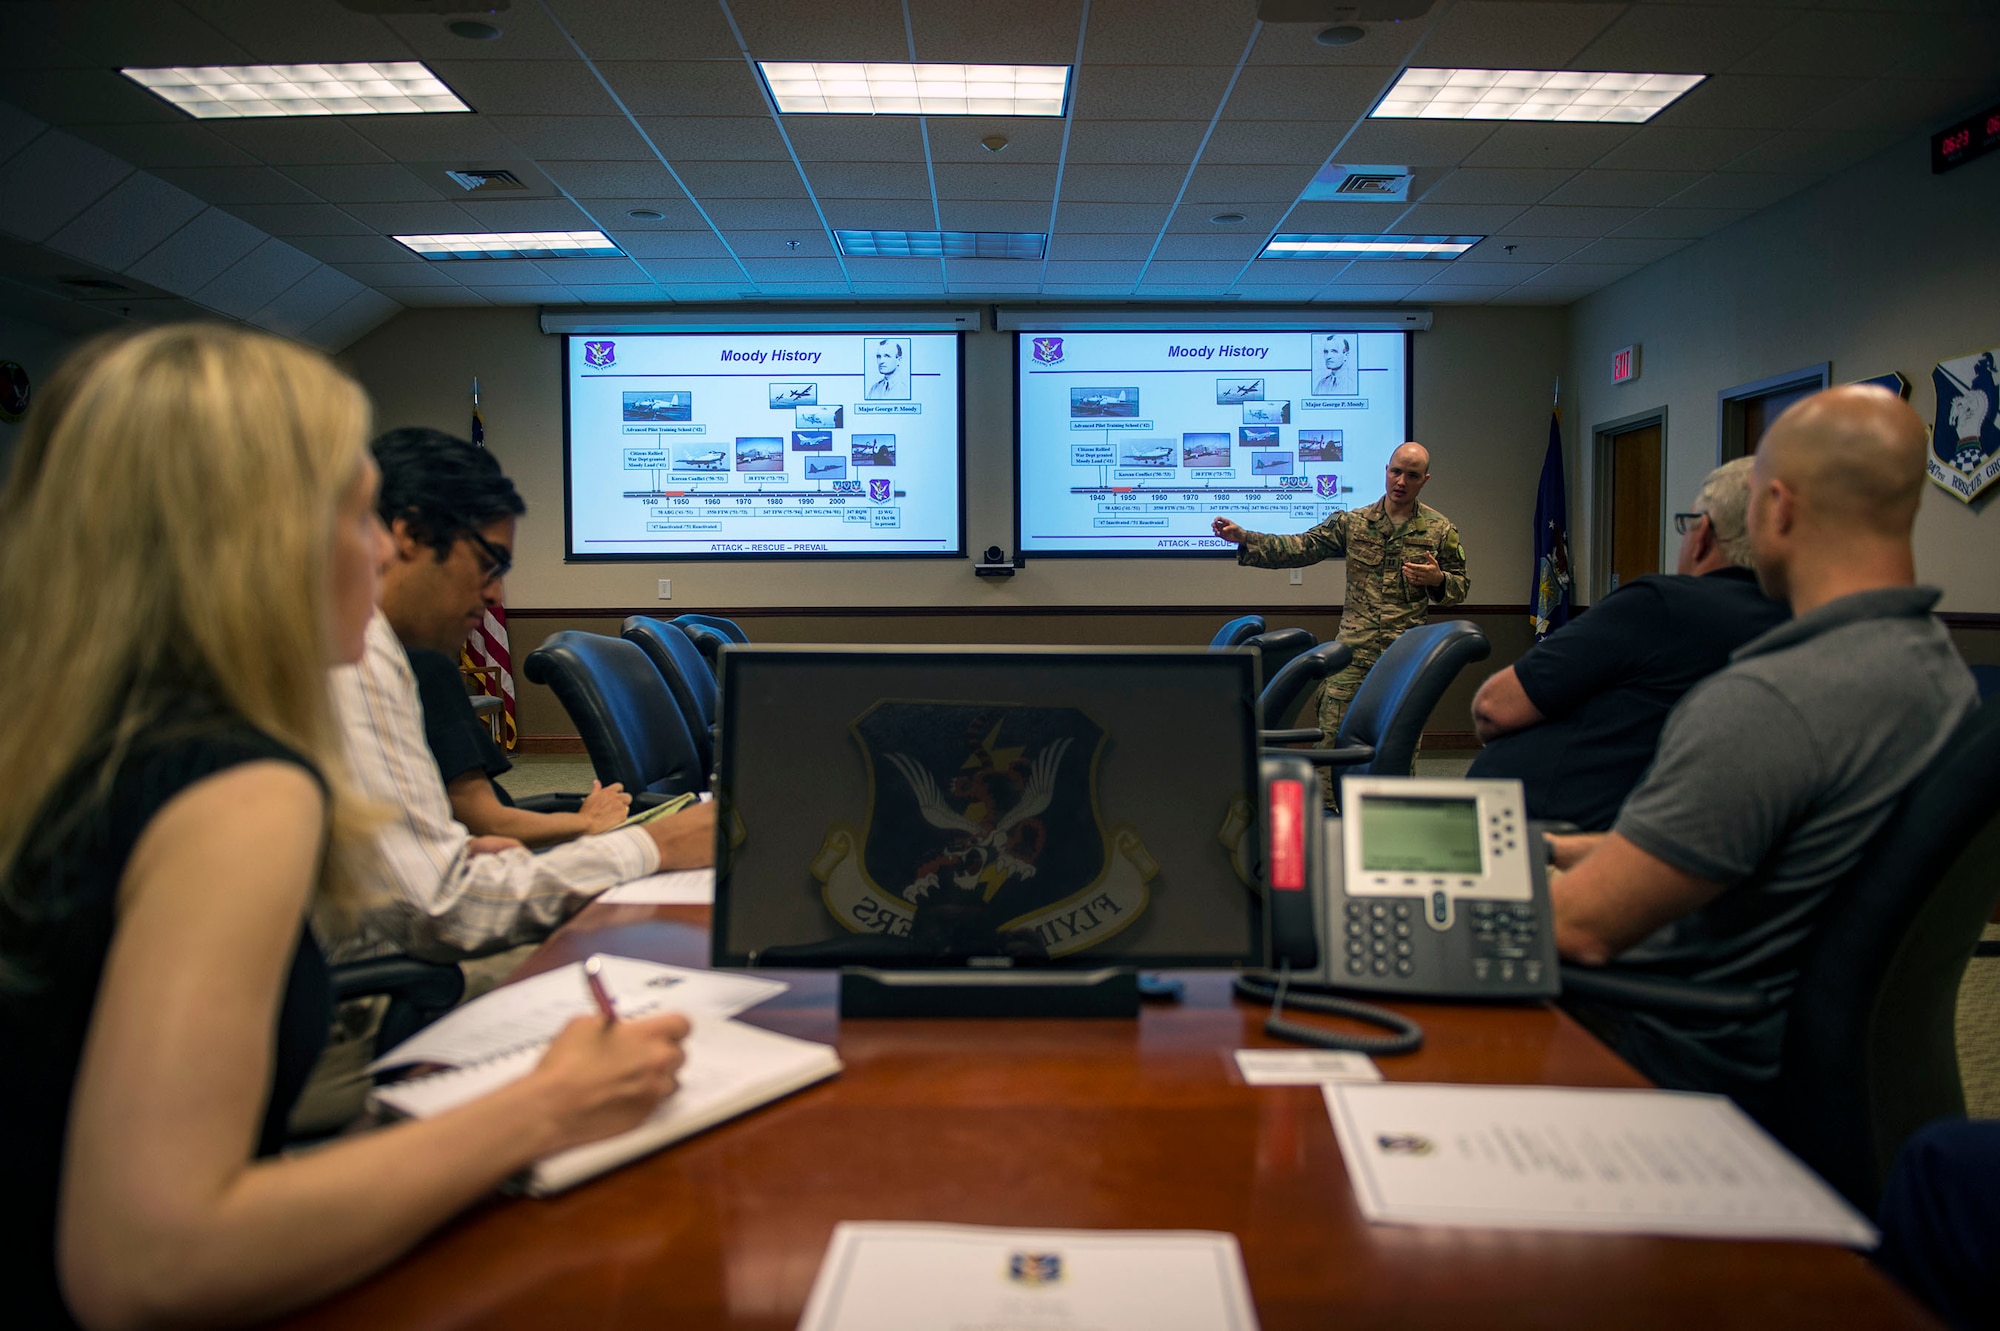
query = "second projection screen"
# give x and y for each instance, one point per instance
(1133, 443)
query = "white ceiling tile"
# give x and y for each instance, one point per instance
(1456, 219)
(365, 311)
(1350, 293)
(1148, 92)
(484, 273)
(990, 215)
(813, 244)
(1123, 184)
(1960, 48)
(1565, 222)
(1114, 290)
(1487, 275)
(151, 147)
(1103, 272)
(383, 182)
(1121, 217)
(885, 214)
(1271, 142)
(1339, 94)
(18, 129)
(547, 293)
(1813, 152)
(676, 213)
(255, 279)
(93, 96)
(1193, 271)
(1028, 32)
(1591, 275)
(1237, 247)
(671, 244)
(1011, 181)
(700, 292)
(617, 295)
(1666, 148)
(303, 304)
(453, 295)
(67, 176)
(1291, 272)
(1140, 32)
(613, 180)
(855, 138)
(521, 214)
(353, 250)
(1452, 294)
(1247, 184)
(1386, 44)
(1485, 185)
(1482, 34)
(1550, 295)
(870, 272)
(274, 34)
(761, 214)
(1403, 273)
(1742, 101)
(1738, 190)
(644, 30)
(1341, 219)
(1424, 143)
(315, 219)
(412, 272)
(1693, 39)
(1824, 44)
(741, 180)
(306, 141)
(1175, 141)
(559, 87)
(956, 139)
(907, 289)
(869, 180)
(411, 219)
(1196, 219)
(198, 253)
(1547, 147)
(231, 185)
(852, 30)
(1536, 250)
(1897, 104)
(763, 271)
(1681, 223)
(574, 138)
(138, 214)
(1623, 189)
(594, 271)
(713, 139)
(679, 272)
(465, 139)
(685, 87)
(1067, 247)
(1627, 249)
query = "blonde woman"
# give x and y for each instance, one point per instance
(188, 538)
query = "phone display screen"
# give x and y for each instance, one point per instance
(1400, 835)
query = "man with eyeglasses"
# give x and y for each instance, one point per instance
(1577, 718)
(459, 878)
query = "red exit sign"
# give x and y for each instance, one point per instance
(1625, 364)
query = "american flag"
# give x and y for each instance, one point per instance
(485, 654)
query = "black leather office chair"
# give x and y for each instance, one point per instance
(419, 993)
(1235, 631)
(1385, 722)
(1282, 693)
(710, 634)
(629, 721)
(1870, 1054)
(1280, 647)
(688, 677)
(728, 628)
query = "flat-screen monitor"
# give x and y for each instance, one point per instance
(942, 807)
(741, 445)
(1134, 443)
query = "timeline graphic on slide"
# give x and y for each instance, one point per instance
(746, 444)
(1133, 443)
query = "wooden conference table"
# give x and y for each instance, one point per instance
(1072, 1124)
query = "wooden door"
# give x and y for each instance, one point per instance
(1758, 415)
(1635, 503)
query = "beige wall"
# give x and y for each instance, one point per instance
(1883, 267)
(1482, 383)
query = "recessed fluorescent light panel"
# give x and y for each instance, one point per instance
(941, 244)
(211, 92)
(1532, 94)
(1368, 247)
(514, 245)
(821, 88)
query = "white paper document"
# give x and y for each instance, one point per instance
(1304, 1067)
(1613, 1161)
(682, 887)
(530, 1013)
(891, 1277)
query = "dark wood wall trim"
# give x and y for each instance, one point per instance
(943, 611)
(1958, 619)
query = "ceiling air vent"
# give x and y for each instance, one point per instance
(486, 182)
(1371, 182)
(1360, 184)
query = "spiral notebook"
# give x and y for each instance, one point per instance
(731, 1068)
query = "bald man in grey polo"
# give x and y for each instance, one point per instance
(1771, 777)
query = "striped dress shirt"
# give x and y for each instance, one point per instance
(434, 899)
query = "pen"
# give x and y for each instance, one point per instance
(593, 975)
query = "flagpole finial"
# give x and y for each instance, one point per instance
(1558, 397)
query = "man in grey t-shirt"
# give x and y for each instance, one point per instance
(1774, 773)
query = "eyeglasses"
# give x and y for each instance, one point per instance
(1682, 521)
(500, 560)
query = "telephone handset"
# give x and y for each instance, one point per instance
(1422, 888)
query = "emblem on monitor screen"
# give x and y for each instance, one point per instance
(1048, 350)
(1327, 485)
(878, 490)
(1034, 1268)
(983, 834)
(597, 355)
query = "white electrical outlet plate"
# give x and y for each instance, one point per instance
(666, 589)
(1298, 579)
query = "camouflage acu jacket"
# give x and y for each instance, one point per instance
(1380, 603)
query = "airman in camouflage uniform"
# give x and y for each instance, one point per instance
(1403, 557)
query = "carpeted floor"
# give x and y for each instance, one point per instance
(1978, 998)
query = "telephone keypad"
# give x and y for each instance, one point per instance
(1503, 936)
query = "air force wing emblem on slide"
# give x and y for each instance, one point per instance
(1048, 350)
(597, 355)
(983, 833)
(1965, 441)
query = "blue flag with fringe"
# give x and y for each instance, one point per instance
(1552, 579)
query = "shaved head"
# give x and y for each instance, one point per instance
(1413, 454)
(1853, 456)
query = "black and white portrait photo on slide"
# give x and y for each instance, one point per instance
(885, 369)
(1335, 371)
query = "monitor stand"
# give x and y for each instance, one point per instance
(1110, 992)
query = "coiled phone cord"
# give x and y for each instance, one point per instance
(1406, 1035)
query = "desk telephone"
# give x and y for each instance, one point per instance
(1420, 889)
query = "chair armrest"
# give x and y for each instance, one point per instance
(649, 799)
(428, 984)
(1304, 735)
(550, 802)
(1344, 757)
(1664, 994)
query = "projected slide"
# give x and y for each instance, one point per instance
(713, 445)
(1133, 443)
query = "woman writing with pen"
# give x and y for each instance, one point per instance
(187, 539)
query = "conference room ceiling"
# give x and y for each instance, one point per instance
(1180, 111)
